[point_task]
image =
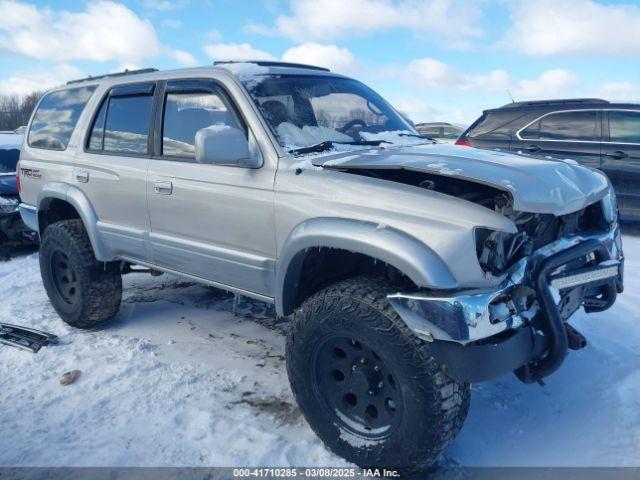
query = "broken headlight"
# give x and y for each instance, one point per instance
(497, 250)
(8, 205)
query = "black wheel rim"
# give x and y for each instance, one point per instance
(357, 389)
(64, 276)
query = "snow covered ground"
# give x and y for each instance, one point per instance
(179, 380)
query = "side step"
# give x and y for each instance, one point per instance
(25, 338)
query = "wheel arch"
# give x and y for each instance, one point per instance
(393, 247)
(65, 199)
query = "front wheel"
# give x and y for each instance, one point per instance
(366, 384)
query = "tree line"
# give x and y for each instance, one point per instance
(15, 110)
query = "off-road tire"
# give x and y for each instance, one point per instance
(97, 291)
(433, 406)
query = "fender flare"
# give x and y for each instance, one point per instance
(394, 247)
(77, 199)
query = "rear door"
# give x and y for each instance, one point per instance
(214, 222)
(621, 158)
(572, 134)
(112, 168)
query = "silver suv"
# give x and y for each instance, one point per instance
(409, 269)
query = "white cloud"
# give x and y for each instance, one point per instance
(434, 73)
(236, 51)
(104, 31)
(330, 56)
(549, 84)
(454, 20)
(184, 58)
(39, 80)
(414, 108)
(620, 91)
(549, 27)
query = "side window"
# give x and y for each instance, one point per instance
(56, 117)
(123, 121)
(579, 126)
(624, 127)
(185, 113)
(532, 132)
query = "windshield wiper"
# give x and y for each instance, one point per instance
(415, 135)
(328, 145)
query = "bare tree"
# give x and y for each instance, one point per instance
(15, 110)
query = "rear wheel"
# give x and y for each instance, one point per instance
(82, 290)
(366, 384)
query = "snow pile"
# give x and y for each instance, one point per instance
(397, 137)
(248, 73)
(178, 380)
(175, 380)
(297, 137)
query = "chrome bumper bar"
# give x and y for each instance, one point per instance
(472, 315)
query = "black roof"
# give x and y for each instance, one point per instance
(563, 104)
(556, 102)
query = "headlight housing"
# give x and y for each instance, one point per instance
(610, 206)
(8, 205)
(497, 250)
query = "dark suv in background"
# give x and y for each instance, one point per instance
(594, 132)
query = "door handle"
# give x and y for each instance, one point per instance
(618, 155)
(531, 148)
(82, 176)
(163, 188)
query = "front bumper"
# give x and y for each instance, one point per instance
(477, 335)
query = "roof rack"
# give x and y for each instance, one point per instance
(117, 74)
(273, 63)
(562, 101)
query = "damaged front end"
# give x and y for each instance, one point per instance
(550, 268)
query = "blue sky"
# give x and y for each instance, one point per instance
(434, 59)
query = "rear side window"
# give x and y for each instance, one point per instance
(496, 124)
(624, 127)
(577, 126)
(123, 121)
(56, 117)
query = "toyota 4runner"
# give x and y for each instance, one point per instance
(409, 269)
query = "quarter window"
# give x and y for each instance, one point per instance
(580, 126)
(185, 113)
(624, 127)
(56, 117)
(122, 123)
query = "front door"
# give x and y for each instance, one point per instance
(621, 159)
(211, 221)
(573, 135)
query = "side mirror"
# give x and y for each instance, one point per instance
(224, 145)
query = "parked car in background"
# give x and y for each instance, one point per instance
(594, 132)
(13, 232)
(441, 131)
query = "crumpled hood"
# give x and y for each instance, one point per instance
(536, 185)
